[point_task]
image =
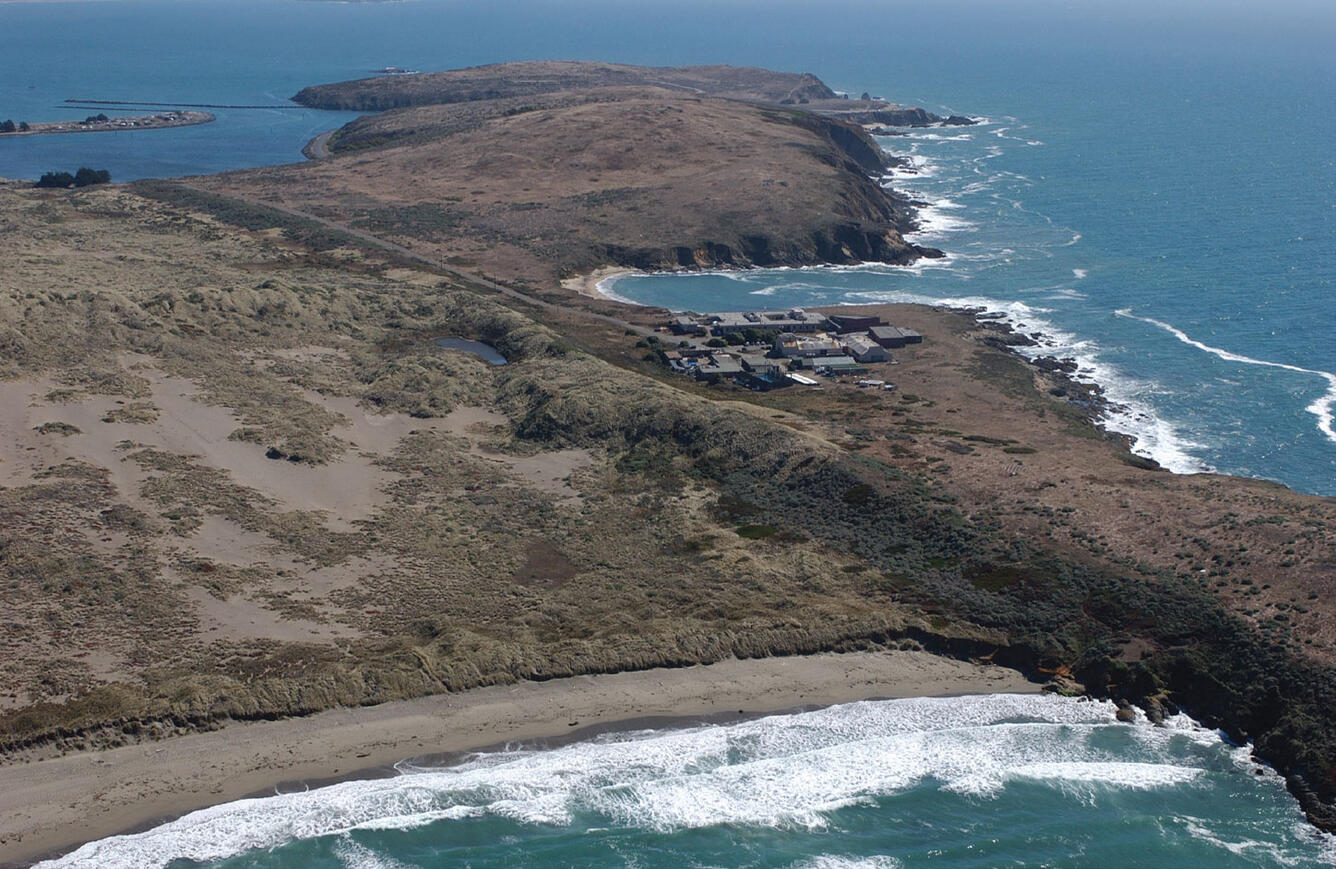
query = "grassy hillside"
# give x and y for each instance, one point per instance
(643, 177)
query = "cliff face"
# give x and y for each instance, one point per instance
(898, 117)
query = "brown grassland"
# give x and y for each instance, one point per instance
(238, 481)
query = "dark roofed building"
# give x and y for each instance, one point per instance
(888, 336)
(758, 364)
(836, 364)
(853, 323)
(720, 365)
(683, 325)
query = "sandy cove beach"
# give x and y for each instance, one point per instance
(51, 806)
(587, 285)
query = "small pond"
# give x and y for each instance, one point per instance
(477, 348)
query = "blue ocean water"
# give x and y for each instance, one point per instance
(1019, 780)
(1153, 189)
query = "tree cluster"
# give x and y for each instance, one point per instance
(11, 127)
(83, 178)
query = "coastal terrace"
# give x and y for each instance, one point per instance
(764, 350)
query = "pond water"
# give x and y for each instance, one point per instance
(477, 348)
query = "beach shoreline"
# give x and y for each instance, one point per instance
(588, 284)
(51, 806)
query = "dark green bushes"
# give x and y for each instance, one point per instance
(85, 177)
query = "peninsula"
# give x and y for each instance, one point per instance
(101, 123)
(254, 487)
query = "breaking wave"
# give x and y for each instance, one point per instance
(785, 772)
(1322, 408)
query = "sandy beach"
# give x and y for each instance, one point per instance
(51, 806)
(587, 285)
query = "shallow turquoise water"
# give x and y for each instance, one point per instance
(966, 781)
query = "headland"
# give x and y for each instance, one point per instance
(265, 493)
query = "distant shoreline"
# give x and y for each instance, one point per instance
(161, 121)
(52, 805)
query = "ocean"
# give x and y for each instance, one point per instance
(1152, 190)
(964, 781)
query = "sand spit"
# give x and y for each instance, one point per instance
(53, 805)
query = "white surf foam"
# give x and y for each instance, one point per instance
(1114, 774)
(607, 289)
(938, 137)
(1257, 852)
(781, 771)
(834, 861)
(1322, 408)
(355, 856)
(934, 221)
(917, 166)
(1127, 411)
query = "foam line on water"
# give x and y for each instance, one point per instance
(835, 861)
(1322, 408)
(606, 289)
(1254, 850)
(785, 771)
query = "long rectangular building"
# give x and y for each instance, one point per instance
(792, 320)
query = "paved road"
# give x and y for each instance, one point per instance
(318, 148)
(468, 277)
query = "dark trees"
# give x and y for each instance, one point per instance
(83, 178)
